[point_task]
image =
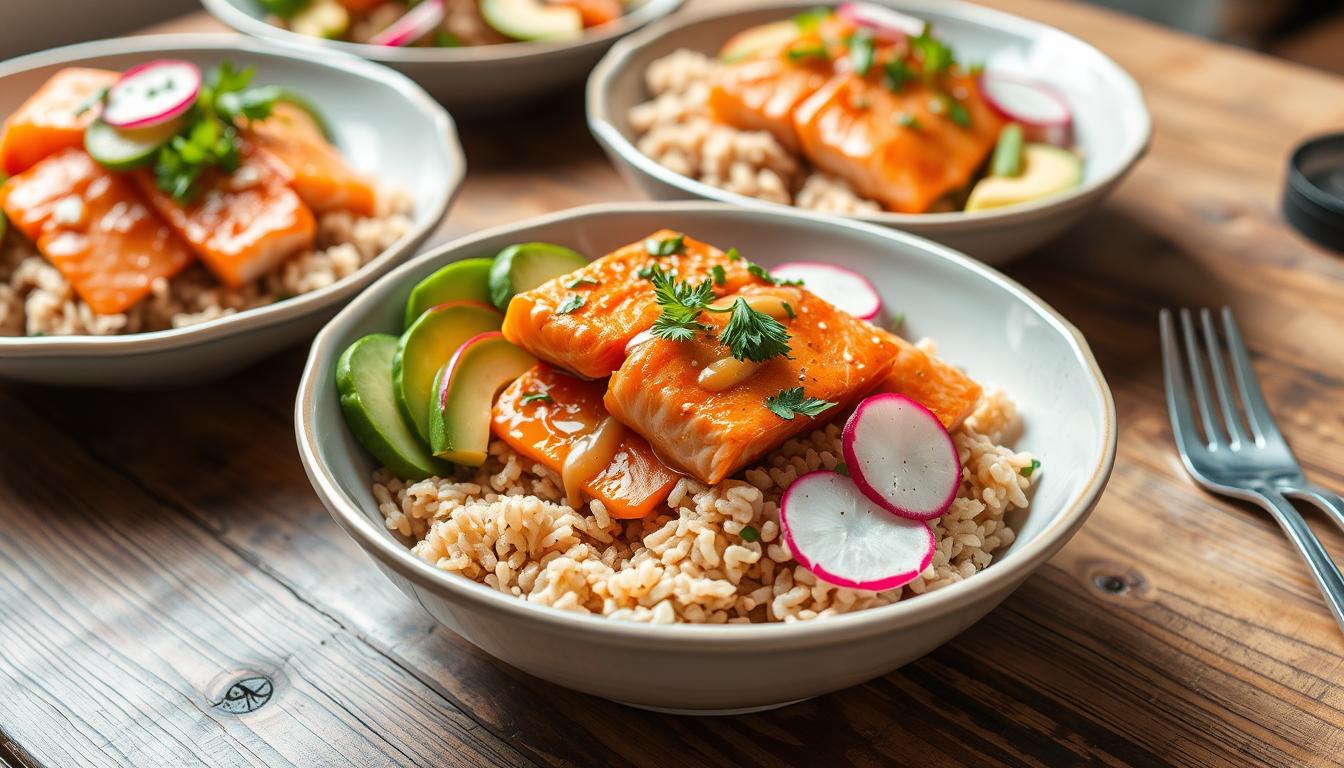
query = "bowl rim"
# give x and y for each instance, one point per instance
(394, 555)
(231, 14)
(29, 347)
(617, 60)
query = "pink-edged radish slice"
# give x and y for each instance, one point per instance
(415, 24)
(1041, 111)
(152, 93)
(901, 457)
(888, 24)
(840, 535)
(845, 288)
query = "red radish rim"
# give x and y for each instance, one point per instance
(877, 585)
(412, 25)
(159, 117)
(457, 353)
(1048, 91)
(868, 15)
(847, 440)
(821, 266)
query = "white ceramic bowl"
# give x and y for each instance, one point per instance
(998, 330)
(1111, 122)
(383, 123)
(470, 79)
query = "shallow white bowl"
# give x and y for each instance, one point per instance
(470, 79)
(1111, 122)
(385, 126)
(981, 319)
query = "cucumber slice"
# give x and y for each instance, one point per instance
(466, 280)
(369, 403)
(525, 266)
(122, 150)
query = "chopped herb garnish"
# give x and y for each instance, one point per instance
(935, 57)
(808, 20)
(682, 304)
(573, 302)
(814, 51)
(665, 247)
(1031, 468)
(908, 120)
(578, 281)
(761, 272)
(734, 254)
(861, 51)
(790, 402)
(957, 111)
(645, 272)
(749, 534)
(717, 272)
(753, 335)
(535, 397)
(897, 321)
(749, 334)
(842, 468)
(788, 310)
(895, 74)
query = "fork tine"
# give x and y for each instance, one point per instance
(1230, 419)
(1212, 431)
(1252, 399)
(1178, 398)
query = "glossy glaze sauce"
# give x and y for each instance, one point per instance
(590, 455)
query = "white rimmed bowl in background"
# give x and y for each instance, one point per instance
(385, 126)
(1112, 124)
(1001, 333)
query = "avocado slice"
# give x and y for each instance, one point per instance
(465, 280)
(532, 19)
(525, 266)
(364, 380)
(465, 389)
(426, 346)
(1046, 171)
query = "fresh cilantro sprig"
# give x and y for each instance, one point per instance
(749, 334)
(788, 403)
(681, 303)
(753, 335)
(571, 303)
(665, 247)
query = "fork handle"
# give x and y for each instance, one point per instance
(1323, 569)
(1329, 502)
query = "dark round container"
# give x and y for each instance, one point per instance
(1313, 198)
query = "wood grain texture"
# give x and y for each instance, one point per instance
(156, 547)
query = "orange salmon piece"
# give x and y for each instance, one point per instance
(95, 227)
(950, 394)
(316, 170)
(617, 304)
(47, 123)
(631, 486)
(760, 94)
(712, 435)
(242, 224)
(852, 127)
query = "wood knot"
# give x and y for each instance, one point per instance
(1116, 581)
(247, 694)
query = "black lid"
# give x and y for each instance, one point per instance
(1313, 198)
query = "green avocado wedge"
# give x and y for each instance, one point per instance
(364, 381)
(426, 346)
(465, 389)
(525, 266)
(466, 280)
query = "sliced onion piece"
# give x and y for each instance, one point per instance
(845, 288)
(887, 23)
(838, 534)
(1042, 112)
(901, 457)
(152, 93)
(415, 24)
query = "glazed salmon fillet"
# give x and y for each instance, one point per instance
(317, 171)
(618, 304)
(242, 225)
(711, 435)
(95, 227)
(51, 120)
(891, 146)
(950, 394)
(760, 94)
(544, 429)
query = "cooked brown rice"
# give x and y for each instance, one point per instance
(676, 130)
(36, 300)
(506, 525)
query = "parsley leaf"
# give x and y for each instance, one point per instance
(842, 468)
(761, 272)
(578, 281)
(1027, 471)
(573, 302)
(935, 57)
(749, 534)
(535, 397)
(718, 273)
(682, 304)
(957, 111)
(861, 51)
(789, 402)
(895, 74)
(665, 247)
(788, 310)
(734, 254)
(753, 335)
(908, 120)
(897, 320)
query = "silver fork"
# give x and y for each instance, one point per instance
(1242, 454)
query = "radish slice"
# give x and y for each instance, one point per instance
(152, 93)
(415, 24)
(888, 24)
(846, 289)
(1040, 109)
(901, 457)
(845, 539)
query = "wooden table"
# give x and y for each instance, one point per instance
(164, 566)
